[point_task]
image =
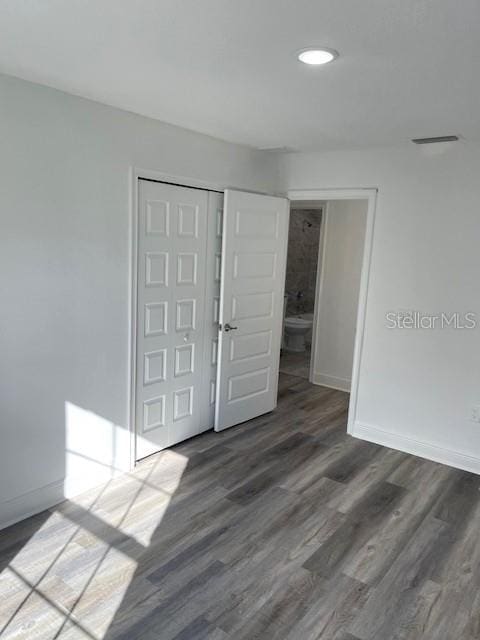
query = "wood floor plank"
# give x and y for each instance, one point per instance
(461, 498)
(199, 628)
(290, 454)
(284, 548)
(459, 569)
(281, 612)
(304, 479)
(328, 618)
(385, 616)
(436, 613)
(255, 460)
(165, 616)
(373, 560)
(343, 544)
(351, 463)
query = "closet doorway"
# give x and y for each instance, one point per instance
(210, 272)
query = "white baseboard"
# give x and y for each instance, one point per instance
(342, 384)
(37, 500)
(28, 504)
(426, 450)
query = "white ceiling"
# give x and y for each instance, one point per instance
(407, 68)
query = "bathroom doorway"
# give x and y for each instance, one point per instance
(300, 287)
(326, 249)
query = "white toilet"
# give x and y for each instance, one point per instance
(296, 329)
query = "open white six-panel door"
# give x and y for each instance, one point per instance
(254, 255)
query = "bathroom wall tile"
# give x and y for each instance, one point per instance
(303, 244)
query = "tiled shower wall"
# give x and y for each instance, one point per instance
(302, 258)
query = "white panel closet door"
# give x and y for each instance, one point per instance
(172, 246)
(254, 254)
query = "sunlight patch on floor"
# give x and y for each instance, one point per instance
(86, 553)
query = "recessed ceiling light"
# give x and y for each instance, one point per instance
(317, 55)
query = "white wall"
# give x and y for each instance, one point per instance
(416, 387)
(339, 283)
(64, 279)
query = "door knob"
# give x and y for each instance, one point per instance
(228, 327)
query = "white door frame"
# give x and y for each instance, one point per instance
(348, 194)
(318, 287)
(135, 174)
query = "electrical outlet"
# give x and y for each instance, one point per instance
(475, 413)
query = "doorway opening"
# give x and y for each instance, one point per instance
(300, 287)
(326, 255)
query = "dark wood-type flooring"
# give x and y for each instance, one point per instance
(282, 528)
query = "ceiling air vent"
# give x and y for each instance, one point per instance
(434, 140)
